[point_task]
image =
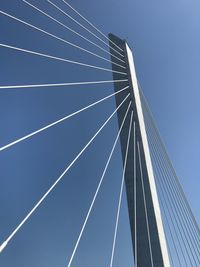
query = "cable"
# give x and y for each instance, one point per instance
(165, 203)
(174, 194)
(97, 190)
(176, 182)
(121, 192)
(5, 243)
(58, 84)
(174, 206)
(170, 208)
(145, 205)
(60, 39)
(59, 121)
(172, 214)
(58, 58)
(167, 238)
(84, 27)
(70, 29)
(178, 211)
(92, 25)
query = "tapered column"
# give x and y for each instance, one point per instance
(148, 238)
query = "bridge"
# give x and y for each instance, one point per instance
(68, 183)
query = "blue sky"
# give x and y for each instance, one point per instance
(164, 36)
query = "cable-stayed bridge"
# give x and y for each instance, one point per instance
(163, 229)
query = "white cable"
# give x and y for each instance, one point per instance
(66, 14)
(92, 25)
(59, 39)
(145, 205)
(70, 29)
(5, 243)
(58, 58)
(58, 121)
(121, 192)
(58, 84)
(97, 190)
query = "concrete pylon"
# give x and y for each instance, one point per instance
(148, 237)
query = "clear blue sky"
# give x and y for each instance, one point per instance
(165, 39)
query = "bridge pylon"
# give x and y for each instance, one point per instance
(148, 237)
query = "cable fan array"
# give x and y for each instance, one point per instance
(100, 42)
(181, 228)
